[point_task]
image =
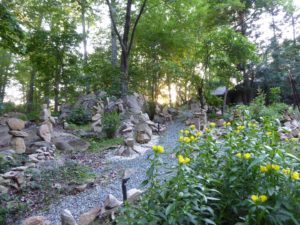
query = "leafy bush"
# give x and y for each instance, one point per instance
(258, 108)
(245, 176)
(111, 123)
(274, 95)
(79, 116)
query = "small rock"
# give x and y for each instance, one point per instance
(111, 202)
(80, 188)
(57, 186)
(30, 165)
(67, 218)
(15, 124)
(134, 193)
(36, 220)
(88, 217)
(10, 174)
(129, 142)
(41, 157)
(3, 190)
(20, 168)
(33, 158)
(17, 133)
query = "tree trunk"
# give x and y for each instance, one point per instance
(294, 29)
(85, 58)
(125, 42)
(2, 89)
(114, 49)
(169, 90)
(30, 93)
(56, 91)
(124, 74)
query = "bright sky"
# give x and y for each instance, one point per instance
(14, 94)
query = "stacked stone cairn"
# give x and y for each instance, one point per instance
(97, 118)
(46, 129)
(15, 129)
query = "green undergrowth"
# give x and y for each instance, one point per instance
(85, 127)
(98, 145)
(43, 188)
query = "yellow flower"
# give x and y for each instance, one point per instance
(212, 124)
(247, 156)
(286, 171)
(158, 149)
(154, 148)
(207, 129)
(193, 126)
(237, 131)
(192, 138)
(269, 166)
(254, 198)
(198, 134)
(275, 167)
(181, 138)
(187, 160)
(263, 169)
(224, 123)
(239, 155)
(183, 160)
(181, 131)
(263, 198)
(228, 124)
(186, 131)
(269, 133)
(253, 125)
(294, 139)
(241, 127)
(186, 139)
(295, 176)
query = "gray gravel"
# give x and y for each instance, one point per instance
(91, 198)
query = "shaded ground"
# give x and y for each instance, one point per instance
(109, 182)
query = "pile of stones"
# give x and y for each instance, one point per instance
(15, 129)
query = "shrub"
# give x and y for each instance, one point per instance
(79, 116)
(245, 176)
(258, 108)
(111, 123)
(150, 109)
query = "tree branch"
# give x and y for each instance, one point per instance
(114, 25)
(135, 25)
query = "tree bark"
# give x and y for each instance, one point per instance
(125, 41)
(114, 49)
(30, 94)
(84, 34)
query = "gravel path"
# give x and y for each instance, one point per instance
(91, 198)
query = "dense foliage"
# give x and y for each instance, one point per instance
(246, 175)
(194, 45)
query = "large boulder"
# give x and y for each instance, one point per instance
(69, 142)
(87, 102)
(134, 103)
(45, 131)
(5, 137)
(36, 220)
(143, 133)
